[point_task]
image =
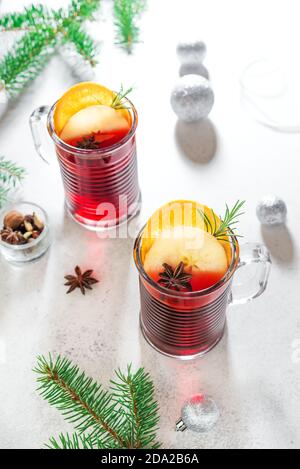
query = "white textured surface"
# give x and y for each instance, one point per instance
(254, 373)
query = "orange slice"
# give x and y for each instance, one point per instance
(80, 96)
(176, 213)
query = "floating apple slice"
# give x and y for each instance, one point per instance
(79, 97)
(94, 119)
(201, 253)
(179, 213)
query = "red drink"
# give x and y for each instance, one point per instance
(101, 184)
(94, 129)
(184, 324)
(186, 261)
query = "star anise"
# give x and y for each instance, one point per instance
(12, 237)
(88, 143)
(175, 279)
(81, 280)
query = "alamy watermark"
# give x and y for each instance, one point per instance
(115, 220)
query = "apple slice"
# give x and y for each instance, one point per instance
(94, 119)
(179, 213)
(198, 249)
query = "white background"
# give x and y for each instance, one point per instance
(253, 374)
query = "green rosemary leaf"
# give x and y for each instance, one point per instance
(117, 102)
(228, 222)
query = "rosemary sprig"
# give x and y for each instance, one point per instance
(226, 229)
(117, 102)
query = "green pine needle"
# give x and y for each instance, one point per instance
(45, 30)
(81, 10)
(226, 229)
(127, 13)
(126, 417)
(28, 19)
(134, 392)
(3, 195)
(74, 441)
(10, 175)
(27, 58)
(83, 43)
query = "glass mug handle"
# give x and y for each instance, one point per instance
(36, 122)
(251, 255)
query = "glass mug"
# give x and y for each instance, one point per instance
(101, 185)
(185, 324)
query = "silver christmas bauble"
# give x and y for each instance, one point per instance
(193, 69)
(199, 414)
(191, 51)
(192, 98)
(271, 210)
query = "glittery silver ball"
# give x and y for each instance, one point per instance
(191, 51)
(200, 414)
(194, 69)
(271, 210)
(192, 98)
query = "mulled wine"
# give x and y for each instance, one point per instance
(186, 257)
(93, 129)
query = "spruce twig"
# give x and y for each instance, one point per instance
(10, 175)
(102, 419)
(44, 30)
(127, 13)
(74, 441)
(27, 20)
(84, 44)
(27, 58)
(135, 393)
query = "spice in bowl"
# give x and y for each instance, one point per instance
(21, 229)
(24, 233)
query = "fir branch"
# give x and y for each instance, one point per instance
(3, 195)
(27, 58)
(226, 227)
(45, 30)
(10, 173)
(125, 418)
(127, 13)
(135, 393)
(81, 400)
(26, 20)
(81, 10)
(83, 43)
(74, 441)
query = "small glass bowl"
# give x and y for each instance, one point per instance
(19, 254)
